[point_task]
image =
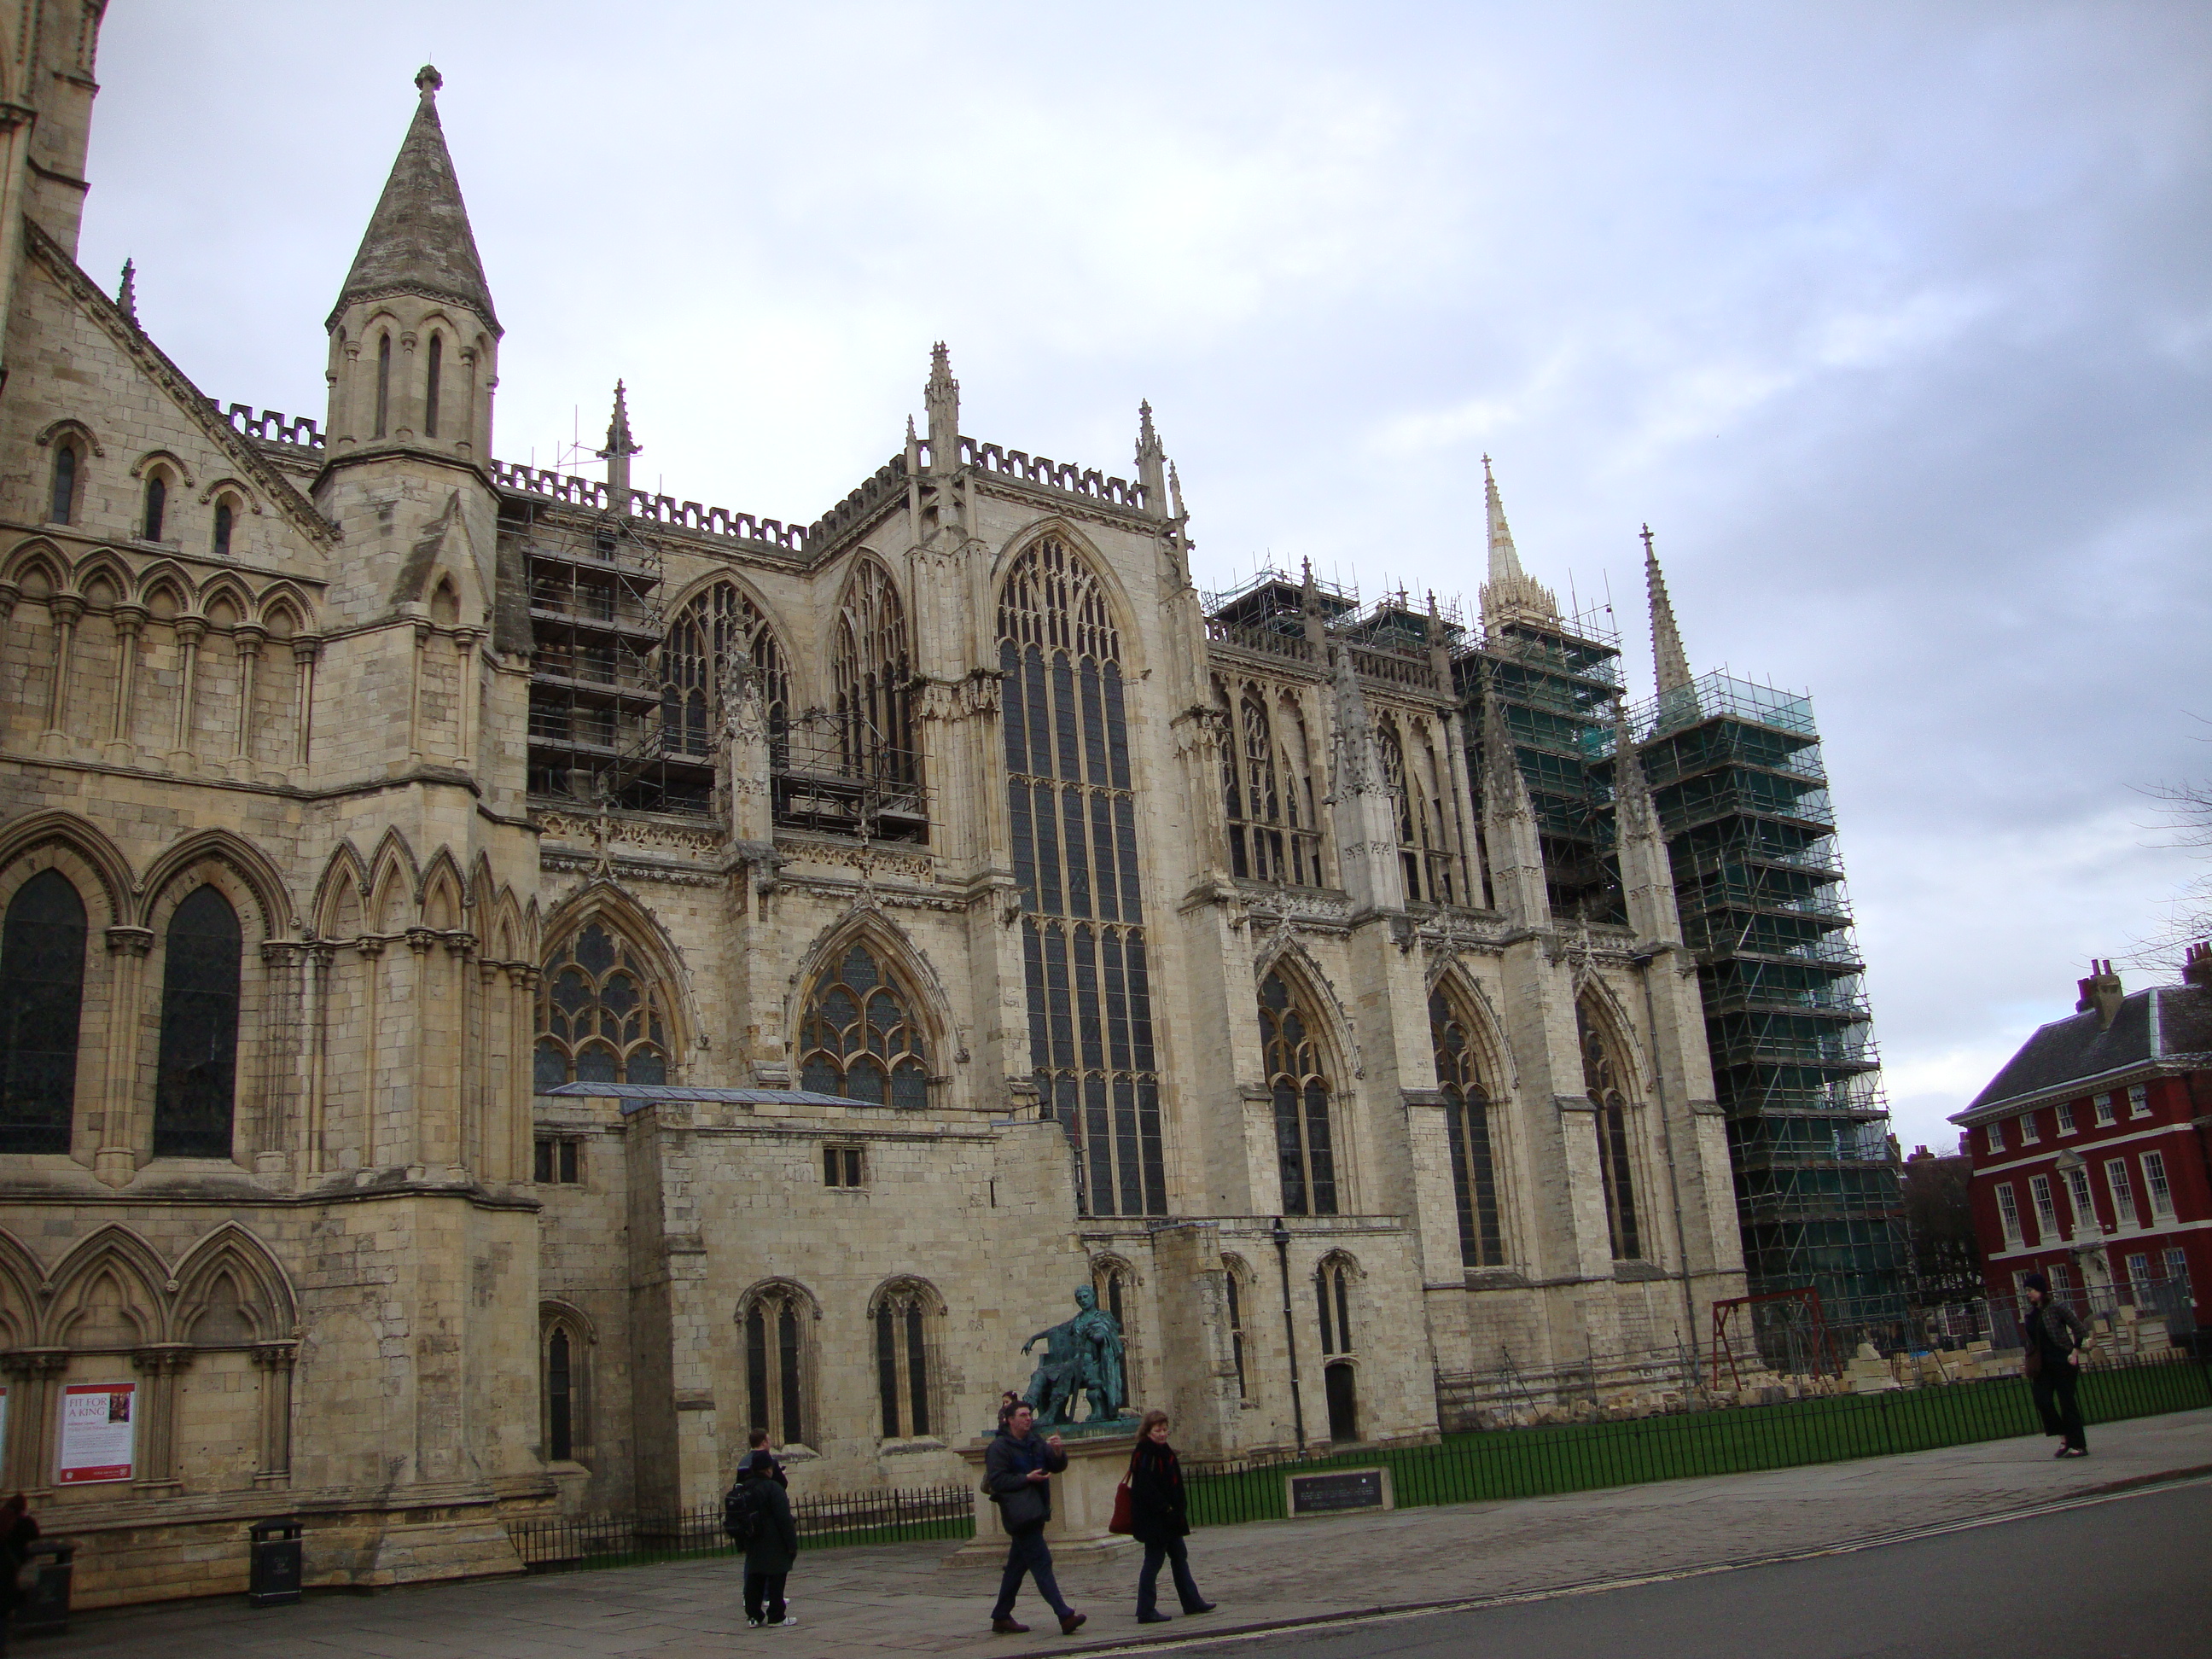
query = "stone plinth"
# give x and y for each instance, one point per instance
(1082, 1503)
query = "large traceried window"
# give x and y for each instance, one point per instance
(1468, 1127)
(196, 1089)
(1615, 1160)
(858, 1037)
(903, 1313)
(1304, 1146)
(873, 675)
(1273, 833)
(720, 628)
(601, 1017)
(776, 1321)
(41, 997)
(1072, 812)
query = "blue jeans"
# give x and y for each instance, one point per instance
(1148, 1579)
(1028, 1553)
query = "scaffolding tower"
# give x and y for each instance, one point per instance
(1735, 775)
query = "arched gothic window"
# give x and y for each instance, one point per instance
(383, 382)
(859, 1038)
(430, 386)
(1072, 810)
(41, 996)
(1601, 1079)
(223, 520)
(1467, 1126)
(1332, 1291)
(63, 504)
(872, 673)
(1296, 1079)
(157, 507)
(904, 1312)
(1237, 1284)
(1421, 853)
(601, 1013)
(564, 1352)
(195, 1091)
(1272, 833)
(719, 630)
(775, 1321)
(559, 1398)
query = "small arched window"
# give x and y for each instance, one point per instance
(776, 1326)
(1601, 1078)
(600, 1013)
(1232, 1277)
(903, 1313)
(383, 382)
(430, 386)
(41, 996)
(223, 520)
(1468, 1126)
(559, 1398)
(157, 507)
(195, 1090)
(1305, 1149)
(859, 1037)
(63, 503)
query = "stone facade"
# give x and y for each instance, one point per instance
(884, 873)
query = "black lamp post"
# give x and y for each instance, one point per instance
(1282, 1237)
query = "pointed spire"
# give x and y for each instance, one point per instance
(940, 400)
(620, 447)
(126, 296)
(418, 240)
(1175, 491)
(1509, 594)
(1151, 463)
(1667, 652)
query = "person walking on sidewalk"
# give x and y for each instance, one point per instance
(772, 1549)
(1018, 1471)
(2056, 1336)
(1158, 1520)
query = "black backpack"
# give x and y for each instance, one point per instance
(741, 1515)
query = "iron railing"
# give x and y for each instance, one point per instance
(1487, 1466)
(876, 1517)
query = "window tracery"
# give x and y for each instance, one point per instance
(1273, 833)
(1298, 1081)
(1072, 808)
(1421, 852)
(904, 1313)
(859, 1037)
(873, 677)
(602, 1013)
(720, 628)
(1468, 1128)
(1600, 1079)
(776, 1322)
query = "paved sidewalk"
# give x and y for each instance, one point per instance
(897, 1598)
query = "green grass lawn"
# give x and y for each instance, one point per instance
(1532, 1462)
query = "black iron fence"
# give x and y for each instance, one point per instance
(1532, 1462)
(876, 1518)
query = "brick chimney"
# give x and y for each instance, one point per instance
(2101, 991)
(2196, 966)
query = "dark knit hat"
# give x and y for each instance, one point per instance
(762, 1461)
(2035, 1282)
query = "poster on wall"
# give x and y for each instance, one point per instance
(98, 1428)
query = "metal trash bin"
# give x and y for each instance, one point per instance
(275, 1575)
(45, 1608)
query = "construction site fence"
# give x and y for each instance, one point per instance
(2169, 1301)
(1488, 1465)
(553, 1545)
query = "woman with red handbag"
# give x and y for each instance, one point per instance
(1153, 1492)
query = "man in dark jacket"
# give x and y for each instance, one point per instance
(2054, 1337)
(1018, 1470)
(773, 1549)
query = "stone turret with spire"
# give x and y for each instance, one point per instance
(1153, 465)
(620, 447)
(1509, 595)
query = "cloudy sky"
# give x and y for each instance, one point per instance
(1894, 321)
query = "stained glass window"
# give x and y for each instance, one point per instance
(1299, 1086)
(1601, 1079)
(1273, 833)
(41, 995)
(600, 1013)
(194, 1090)
(1467, 1125)
(64, 493)
(858, 1037)
(1073, 815)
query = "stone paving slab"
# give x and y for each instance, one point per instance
(898, 1598)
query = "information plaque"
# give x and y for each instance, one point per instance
(1338, 1490)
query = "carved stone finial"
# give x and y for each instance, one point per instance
(126, 296)
(428, 81)
(940, 400)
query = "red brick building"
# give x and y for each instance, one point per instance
(2090, 1148)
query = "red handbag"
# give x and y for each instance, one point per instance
(1122, 1521)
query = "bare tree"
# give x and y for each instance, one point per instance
(2187, 812)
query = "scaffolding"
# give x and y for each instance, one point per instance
(1737, 777)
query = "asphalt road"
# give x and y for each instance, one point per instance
(2127, 1577)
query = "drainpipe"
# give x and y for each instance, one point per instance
(1282, 1237)
(1643, 959)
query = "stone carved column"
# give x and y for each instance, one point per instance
(33, 1379)
(274, 1362)
(115, 1158)
(284, 965)
(305, 652)
(522, 1014)
(464, 648)
(459, 1133)
(66, 609)
(159, 1365)
(130, 621)
(415, 694)
(419, 941)
(315, 1021)
(248, 643)
(189, 634)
